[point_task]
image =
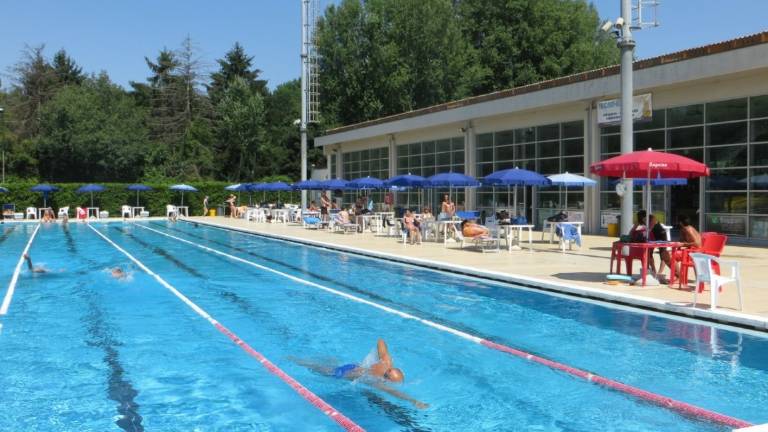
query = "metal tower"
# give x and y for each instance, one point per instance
(310, 96)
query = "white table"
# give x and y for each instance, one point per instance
(519, 234)
(281, 214)
(95, 211)
(443, 226)
(553, 225)
(136, 211)
(182, 210)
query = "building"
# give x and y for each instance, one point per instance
(708, 103)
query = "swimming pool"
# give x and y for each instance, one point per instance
(80, 350)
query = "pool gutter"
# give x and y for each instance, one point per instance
(733, 318)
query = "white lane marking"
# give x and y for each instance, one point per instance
(315, 400)
(324, 288)
(15, 278)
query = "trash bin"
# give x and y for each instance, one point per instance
(220, 210)
(211, 212)
(613, 230)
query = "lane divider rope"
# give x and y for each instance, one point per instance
(663, 401)
(312, 398)
(15, 278)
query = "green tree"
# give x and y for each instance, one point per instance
(92, 132)
(519, 42)
(66, 70)
(242, 149)
(381, 57)
(35, 83)
(236, 63)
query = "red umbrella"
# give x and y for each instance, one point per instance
(649, 164)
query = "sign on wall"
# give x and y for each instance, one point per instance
(609, 111)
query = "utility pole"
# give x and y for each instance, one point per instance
(304, 99)
(2, 113)
(627, 46)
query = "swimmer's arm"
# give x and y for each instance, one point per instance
(29, 262)
(398, 394)
(314, 367)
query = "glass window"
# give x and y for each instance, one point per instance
(428, 147)
(549, 166)
(758, 178)
(445, 145)
(414, 161)
(402, 162)
(646, 140)
(685, 137)
(402, 150)
(505, 165)
(758, 227)
(758, 202)
(548, 132)
(685, 115)
(414, 149)
(573, 147)
(728, 179)
(445, 158)
(573, 129)
(458, 157)
(734, 109)
(505, 153)
(759, 106)
(610, 143)
(656, 121)
(549, 149)
(525, 135)
(365, 165)
(483, 140)
(695, 154)
(610, 201)
(428, 159)
(759, 154)
(728, 133)
(759, 130)
(727, 202)
(573, 164)
(605, 130)
(727, 224)
(484, 169)
(504, 138)
(485, 154)
(457, 143)
(525, 151)
(725, 157)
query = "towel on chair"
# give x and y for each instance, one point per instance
(311, 220)
(569, 232)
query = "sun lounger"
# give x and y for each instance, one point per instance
(484, 243)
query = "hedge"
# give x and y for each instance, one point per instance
(116, 196)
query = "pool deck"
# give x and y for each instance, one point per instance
(579, 272)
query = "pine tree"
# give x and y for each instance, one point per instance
(236, 63)
(66, 70)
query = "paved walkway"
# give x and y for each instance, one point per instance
(580, 268)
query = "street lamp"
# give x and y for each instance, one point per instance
(2, 113)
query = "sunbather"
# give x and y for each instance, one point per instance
(412, 225)
(471, 229)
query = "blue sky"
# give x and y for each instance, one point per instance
(116, 35)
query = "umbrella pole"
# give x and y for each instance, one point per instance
(137, 198)
(565, 209)
(91, 199)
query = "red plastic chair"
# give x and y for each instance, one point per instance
(713, 244)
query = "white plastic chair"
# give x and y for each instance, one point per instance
(63, 211)
(31, 213)
(126, 210)
(706, 275)
(171, 210)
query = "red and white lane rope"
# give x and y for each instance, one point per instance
(15, 278)
(663, 401)
(315, 400)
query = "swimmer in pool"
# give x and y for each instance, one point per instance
(118, 273)
(376, 374)
(33, 268)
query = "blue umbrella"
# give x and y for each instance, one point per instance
(3, 190)
(452, 179)
(278, 187)
(45, 189)
(407, 181)
(334, 184)
(367, 183)
(308, 185)
(91, 188)
(138, 188)
(567, 179)
(238, 187)
(182, 188)
(515, 177)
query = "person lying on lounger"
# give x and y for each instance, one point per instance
(471, 229)
(375, 371)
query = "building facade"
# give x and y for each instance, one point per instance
(708, 103)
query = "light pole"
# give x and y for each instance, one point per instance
(2, 113)
(627, 46)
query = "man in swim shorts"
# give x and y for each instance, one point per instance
(374, 375)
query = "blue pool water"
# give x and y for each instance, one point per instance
(82, 351)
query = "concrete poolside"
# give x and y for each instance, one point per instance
(580, 271)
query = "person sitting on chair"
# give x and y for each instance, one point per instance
(471, 229)
(413, 227)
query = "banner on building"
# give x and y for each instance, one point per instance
(609, 111)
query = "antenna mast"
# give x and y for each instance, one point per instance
(310, 96)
